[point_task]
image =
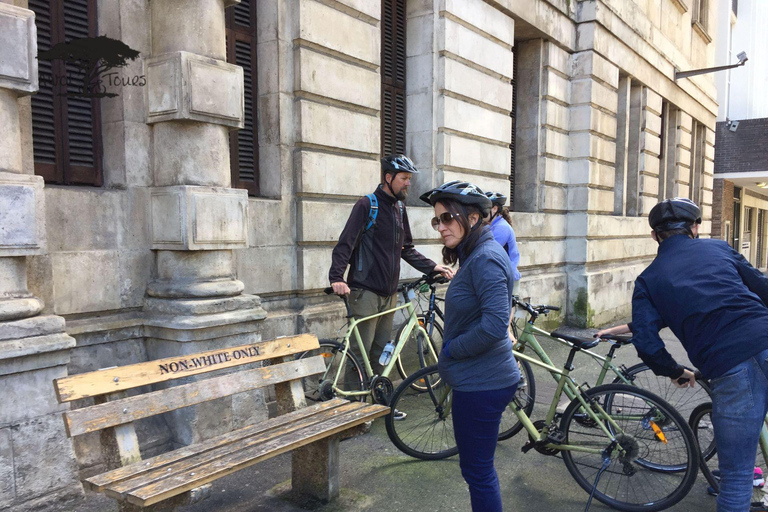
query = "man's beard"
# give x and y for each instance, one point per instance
(402, 195)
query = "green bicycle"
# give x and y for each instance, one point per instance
(684, 400)
(638, 439)
(346, 377)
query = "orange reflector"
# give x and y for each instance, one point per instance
(327, 355)
(658, 432)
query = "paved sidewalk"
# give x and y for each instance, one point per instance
(376, 476)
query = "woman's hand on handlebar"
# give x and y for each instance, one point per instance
(341, 289)
(445, 271)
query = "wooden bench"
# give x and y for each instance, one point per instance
(183, 476)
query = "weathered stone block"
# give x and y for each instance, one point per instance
(541, 252)
(589, 91)
(650, 143)
(419, 34)
(651, 123)
(334, 217)
(19, 387)
(611, 226)
(473, 154)
(683, 158)
(555, 114)
(324, 173)
(469, 82)
(706, 197)
(556, 58)
(95, 271)
(557, 171)
(183, 85)
(684, 138)
(336, 127)
(586, 117)
(83, 218)
(484, 17)
(432, 251)
(7, 493)
(543, 225)
(649, 185)
(418, 112)
(269, 269)
(419, 74)
(476, 48)
(22, 214)
(649, 163)
(18, 39)
(555, 143)
(592, 64)
(587, 145)
(555, 86)
(313, 264)
(43, 457)
(318, 23)
(475, 120)
(652, 101)
(320, 74)
(554, 199)
(198, 218)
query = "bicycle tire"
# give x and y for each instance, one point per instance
(525, 396)
(427, 431)
(411, 358)
(633, 492)
(330, 350)
(700, 422)
(684, 400)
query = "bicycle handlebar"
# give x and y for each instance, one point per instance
(541, 309)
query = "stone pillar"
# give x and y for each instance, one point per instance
(194, 97)
(37, 461)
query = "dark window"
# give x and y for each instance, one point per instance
(392, 77)
(66, 129)
(241, 50)
(512, 140)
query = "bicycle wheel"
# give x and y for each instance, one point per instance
(318, 388)
(419, 351)
(650, 433)
(524, 398)
(703, 431)
(684, 400)
(427, 430)
(700, 422)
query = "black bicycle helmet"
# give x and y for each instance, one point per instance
(394, 164)
(497, 199)
(460, 191)
(675, 213)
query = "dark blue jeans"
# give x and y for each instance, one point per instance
(476, 419)
(739, 405)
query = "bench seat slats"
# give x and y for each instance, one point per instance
(99, 417)
(242, 458)
(120, 489)
(120, 378)
(99, 482)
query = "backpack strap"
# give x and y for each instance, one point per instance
(372, 213)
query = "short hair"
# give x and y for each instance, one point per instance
(663, 235)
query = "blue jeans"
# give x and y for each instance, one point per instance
(740, 403)
(476, 419)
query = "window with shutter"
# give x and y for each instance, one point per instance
(241, 50)
(66, 129)
(392, 77)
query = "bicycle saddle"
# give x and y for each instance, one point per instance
(580, 343)
(620, 339)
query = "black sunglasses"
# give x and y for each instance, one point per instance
(446, 218)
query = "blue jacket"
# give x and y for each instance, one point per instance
(711, 298)
(477, 352)
(505, 235)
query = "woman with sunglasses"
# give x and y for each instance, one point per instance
(476, 359)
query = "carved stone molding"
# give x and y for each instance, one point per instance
(198, 218)
(183, 85)
(22, 215)
(18, 57)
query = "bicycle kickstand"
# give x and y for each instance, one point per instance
(606, 462)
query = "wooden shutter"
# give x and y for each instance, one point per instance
(241, 50)
(392, 77)
(513, 137)
(66, 130)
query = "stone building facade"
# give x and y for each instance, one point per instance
(163, 249)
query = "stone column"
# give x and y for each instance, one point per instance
(36, 459)
(194, 97)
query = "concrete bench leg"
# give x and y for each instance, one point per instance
(188, 498)
(315, 470)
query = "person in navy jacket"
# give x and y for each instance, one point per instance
(714, 301)
(476, 359)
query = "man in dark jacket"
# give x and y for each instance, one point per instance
(373, 255)
(714, 301)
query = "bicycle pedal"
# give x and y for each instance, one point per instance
(556, 437)
(528, 446)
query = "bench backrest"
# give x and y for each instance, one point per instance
(113, 408)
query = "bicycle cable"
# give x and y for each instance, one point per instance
(606, 462)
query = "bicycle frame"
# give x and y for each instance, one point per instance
(400, 344)
(527, 338)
